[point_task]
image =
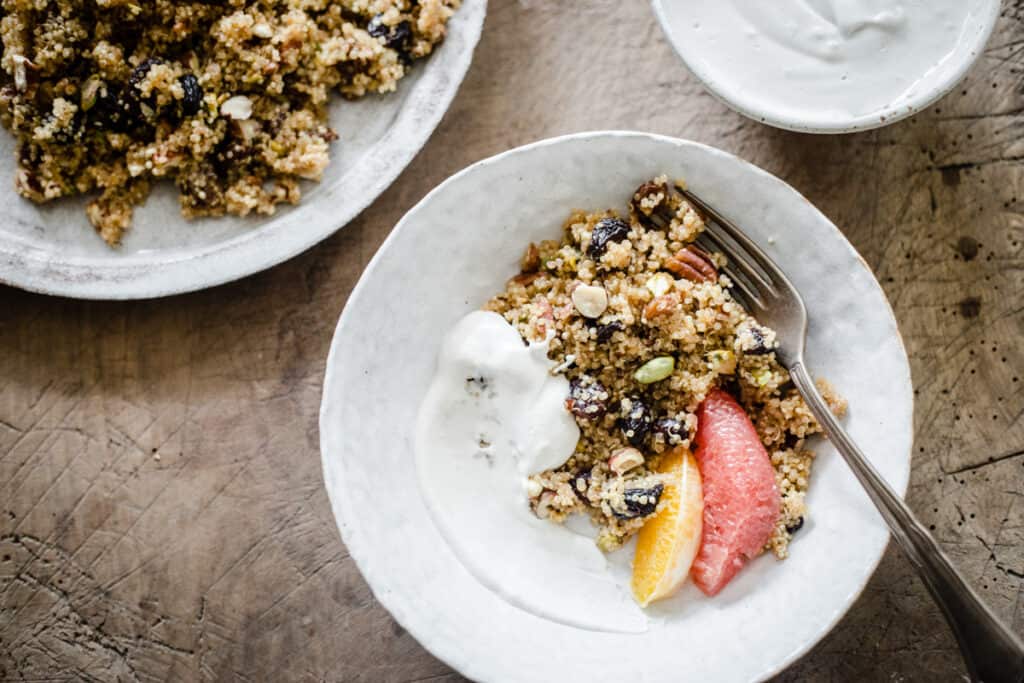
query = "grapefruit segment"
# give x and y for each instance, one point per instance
(741, 499)
(668, 542)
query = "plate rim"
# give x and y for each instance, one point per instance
(36, 270)
(878, 119)
(351, 538)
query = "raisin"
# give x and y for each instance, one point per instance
(639, 502)
(636, 424)
(193, 94)
(605, 332)
(607, 230)
(588, 398)
(795, 526)
(671, 429)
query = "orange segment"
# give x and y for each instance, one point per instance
(668, 542)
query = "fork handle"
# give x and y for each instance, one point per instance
(991, 651)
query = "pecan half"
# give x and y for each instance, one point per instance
(661, 305)
(692, 263)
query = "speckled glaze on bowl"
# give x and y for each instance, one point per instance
(384, 353)
(52, 248)
(673, 18)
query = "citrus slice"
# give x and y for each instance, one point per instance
(668, 542)
(741, 499)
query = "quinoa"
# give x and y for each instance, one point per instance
(661, 297)
(228, 99)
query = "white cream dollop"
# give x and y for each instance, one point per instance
(493, 415)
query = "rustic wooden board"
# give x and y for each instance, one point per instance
(161, 506)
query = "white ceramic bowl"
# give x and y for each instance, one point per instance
(454, 250)
(53, 249)
(718, 75)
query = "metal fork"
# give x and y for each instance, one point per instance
(991, 651)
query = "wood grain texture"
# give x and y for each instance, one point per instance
(162, 514)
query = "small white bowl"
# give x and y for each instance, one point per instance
(454, 250)
(720, 77)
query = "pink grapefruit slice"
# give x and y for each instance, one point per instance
(741, 499)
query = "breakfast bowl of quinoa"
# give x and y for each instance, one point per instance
(157, 148)
(588, 443)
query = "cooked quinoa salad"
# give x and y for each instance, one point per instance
(228, 99)
(641, 321)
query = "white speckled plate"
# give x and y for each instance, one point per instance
(384, 353)
(54, 250)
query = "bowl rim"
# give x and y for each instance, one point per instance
(178, 271)
(877, 119)
(359, 550)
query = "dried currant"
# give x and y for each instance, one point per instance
(671, 429)
(636, 423)
(112, 110)
(607, 230)
(581, 484)
(397, 37)
(140, 72)
(795, 526)
(639, 502)
(588, 398)
(605, 332)
(760, 345)
(193, 94)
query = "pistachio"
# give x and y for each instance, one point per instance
(625, 459)
(763, 376)
(722, 361)
(655, 370)
(591, 301)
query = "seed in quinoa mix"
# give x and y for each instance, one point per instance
(228, 99)
(666, 299)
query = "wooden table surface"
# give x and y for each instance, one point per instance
(162, 513)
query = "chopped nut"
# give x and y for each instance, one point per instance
(659, 284)
(90, 91)
(625, 459)
(722, 361)
(543, 509)
(533, 489)
(662, 305)
(238, 107)
(692, 263)
(20, 73)
(531, 259)
(590, 301)
(262, 30)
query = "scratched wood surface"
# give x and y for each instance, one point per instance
(162, 514)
